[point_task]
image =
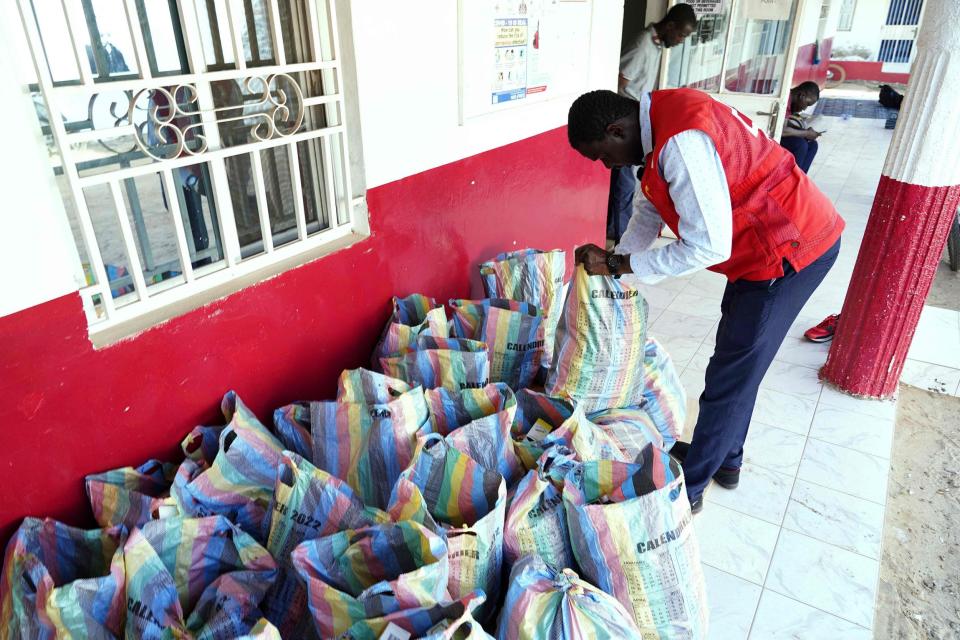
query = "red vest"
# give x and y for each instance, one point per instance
(778, 213)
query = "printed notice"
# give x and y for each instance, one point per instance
(510, 59)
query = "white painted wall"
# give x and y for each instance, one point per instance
(811, 20)
(868, 19)
(407, 75)
(37, 256)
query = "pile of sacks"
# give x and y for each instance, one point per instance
(501, 471)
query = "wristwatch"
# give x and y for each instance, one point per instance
(614, 262)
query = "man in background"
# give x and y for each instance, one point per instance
(797, 137)
(639, 71)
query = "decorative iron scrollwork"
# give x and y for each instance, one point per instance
(172, 128)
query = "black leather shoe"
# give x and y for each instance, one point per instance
(679, 450)
(697, 505)
(725, 477)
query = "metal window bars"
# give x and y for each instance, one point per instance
(255, 81)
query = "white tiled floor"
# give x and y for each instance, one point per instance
(794, 552)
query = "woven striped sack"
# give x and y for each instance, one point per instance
(291, 423)
(444, 621)
(62, 582)
(599, 354)
(536, 522)
(478, 422)
(664, 398)
(262, 630)
(654, 571)
(513, 332)
(632, 429)
(131, 495)
(546, 602)
(371, 572)
(307, 504)
(194, 578)
(449, 492)
(368, 445)
(370, 387)
(585, 438)
(533, 407)
(238, 482)
(412, 316)
(533, 276)
(451, 363)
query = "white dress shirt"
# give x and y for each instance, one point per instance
(640, 65)
(691, 166)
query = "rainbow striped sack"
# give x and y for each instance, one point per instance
(194, 578)
(536, 523)
(262, 630)
(238, 482)
(412, 316)
(368, 445)
(532, 276)
(546, 602)
(130, 496)
(630, 526)
(307, 503)
(533, 406)
(448, 491)
(598, 359)
(631, 428)
(665, 399)
(368, 573)
(291, 425)
(586, 439)
(478, 422)
(370, 387)
(438, 622)
(513, 332)
(442, 362)
(62, 582)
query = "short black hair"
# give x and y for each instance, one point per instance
(681, 15)
(591, 113)
(810, 87)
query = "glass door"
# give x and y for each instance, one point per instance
(743, 54)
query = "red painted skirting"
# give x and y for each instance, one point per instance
(67, 409)
(905, 234)
(863, 70)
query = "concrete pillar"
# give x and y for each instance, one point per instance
(915, 203)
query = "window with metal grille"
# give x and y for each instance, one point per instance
(847, 10)
(193, 141)
(906, 12)
(895, 50)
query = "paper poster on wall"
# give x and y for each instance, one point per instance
(706, 7)
(510, 59)
(515, 52)
(768, 9)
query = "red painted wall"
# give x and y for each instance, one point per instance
(873, 71)
(812, 62)
(67, 409)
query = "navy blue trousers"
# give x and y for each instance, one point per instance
(804, 151)
(623, 183)
(755, 319)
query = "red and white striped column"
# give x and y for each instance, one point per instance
(915, 204)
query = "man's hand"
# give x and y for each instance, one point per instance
(593, 259)
(811, 134)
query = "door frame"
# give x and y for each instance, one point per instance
(779, 101)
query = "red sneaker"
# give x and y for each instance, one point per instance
(824, 331)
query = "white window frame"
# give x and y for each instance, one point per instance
(346, 211)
